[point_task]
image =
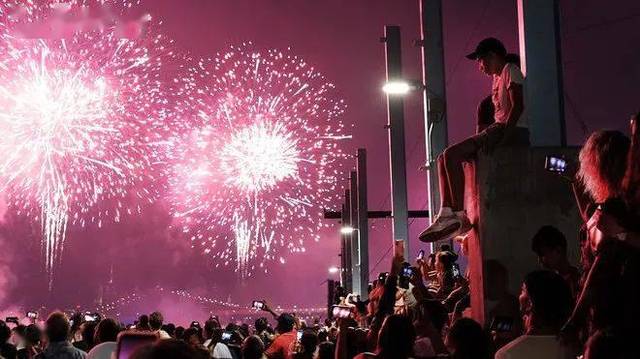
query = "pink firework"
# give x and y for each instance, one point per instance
(83, 120)
(264, 160)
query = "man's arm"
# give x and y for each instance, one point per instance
(516, 97)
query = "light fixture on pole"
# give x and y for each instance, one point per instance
(397, 87)
(334, 270)
(347, 230)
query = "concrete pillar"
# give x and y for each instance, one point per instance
(434, 94)
(395, 108)
(541, 62)
(363, 224)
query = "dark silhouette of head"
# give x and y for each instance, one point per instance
(286, 322)
(396, 337)
(5, 332)
(107, 331)
(57, 327)
(155, 320)
(32, 335)
(252, 347)
(551, 247)
(467, 340)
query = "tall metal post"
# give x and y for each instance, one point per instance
(363, 224)
(346, 222)
(395, 114)
(343, 253)
(355, 253)
(434, 94)
(541, 63)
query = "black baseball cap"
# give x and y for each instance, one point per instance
(486, 46)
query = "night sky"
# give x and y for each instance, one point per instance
(341, 39)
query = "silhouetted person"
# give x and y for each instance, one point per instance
(7, 350)
(57, 332)
(550, 245)
(509, 129)
(467, 340)
(545, 303)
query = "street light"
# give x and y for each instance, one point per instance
(347, 230)
(397, 87)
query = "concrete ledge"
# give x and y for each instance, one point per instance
(509, 196)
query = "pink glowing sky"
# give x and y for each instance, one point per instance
(340, 38)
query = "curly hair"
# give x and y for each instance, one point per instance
(603, 162)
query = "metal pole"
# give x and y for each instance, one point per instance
(434, 94)
(346, 222)
(541, 63)
(355, 254)
(395, 114)
(363, 224)
(343, 252)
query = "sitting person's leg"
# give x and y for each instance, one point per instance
(452, 220)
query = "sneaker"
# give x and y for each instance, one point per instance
(447, 225)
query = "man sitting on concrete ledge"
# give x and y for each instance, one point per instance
(510, 128)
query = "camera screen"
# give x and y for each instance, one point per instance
(556, 164)
(226, 336)
(258, 304)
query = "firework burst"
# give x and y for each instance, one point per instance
(83, 120)
(264, 160)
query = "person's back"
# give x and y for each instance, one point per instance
(57, 331)
(283, 345)
(534, 347)
(7, 350)
(103, 351)
(545, 301)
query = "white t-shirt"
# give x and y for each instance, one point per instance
(510, 74)
(534, 347)
(220, 351)
(106, 350)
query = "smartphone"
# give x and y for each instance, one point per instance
(456, 270)
(128, 342)
(341, 312)
(89, 318)
(420, 255)
(32, 315)
(555, 164)
(501, 324)
(258, 304)
(13, 320)
(398, 250)
(299, 335)
(407, 271)
(226, 336)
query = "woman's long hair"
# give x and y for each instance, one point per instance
(603, 162)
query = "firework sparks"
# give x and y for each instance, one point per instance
(81, 119)
(265, 159)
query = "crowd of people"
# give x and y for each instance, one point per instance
(419, 310)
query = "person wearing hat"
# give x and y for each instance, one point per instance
(509, 128)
